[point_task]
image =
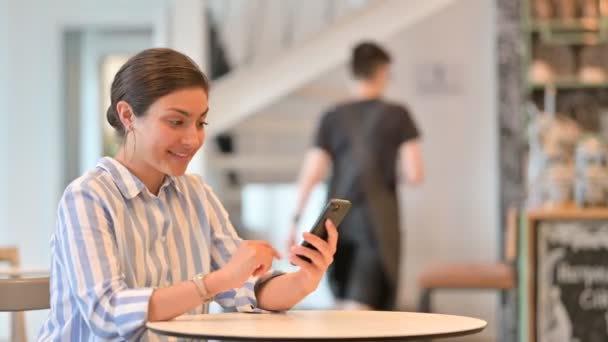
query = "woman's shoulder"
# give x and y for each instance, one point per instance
(192, 180)
(90, 184)
(195, 185)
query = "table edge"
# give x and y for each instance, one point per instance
(265, 338)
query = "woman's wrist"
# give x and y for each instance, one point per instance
(216, 282)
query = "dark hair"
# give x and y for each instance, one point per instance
(366, 58)
(148, 76)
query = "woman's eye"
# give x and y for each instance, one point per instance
(175, 122)
(202, 124)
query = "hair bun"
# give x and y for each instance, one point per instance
(113, 119)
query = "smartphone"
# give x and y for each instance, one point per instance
(335, 210)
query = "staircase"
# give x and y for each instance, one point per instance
(269, 110)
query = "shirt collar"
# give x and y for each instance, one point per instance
(129, 185)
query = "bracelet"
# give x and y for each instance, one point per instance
(199, 282)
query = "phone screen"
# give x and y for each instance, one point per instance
(335, 210)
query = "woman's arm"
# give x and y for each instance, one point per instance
(283, 292)
(169, 302)
(240, 262)
(86, 250)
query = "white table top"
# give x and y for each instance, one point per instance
(319, 325)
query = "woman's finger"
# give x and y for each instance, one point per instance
(261, 270)
(260, 243)
(321, 245)
(316, 258)
(272, 251)
(264, 263)
(303, 264)
(332, 235)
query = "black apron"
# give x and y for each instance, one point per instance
(380, 199)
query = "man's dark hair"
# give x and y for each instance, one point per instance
(366, 58)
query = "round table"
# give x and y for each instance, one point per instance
(319, 325)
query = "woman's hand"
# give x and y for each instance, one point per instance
(310, 273)
(252, 258)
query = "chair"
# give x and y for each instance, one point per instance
(21, 294)
(24, 294)
(500, 276)
(10, 255)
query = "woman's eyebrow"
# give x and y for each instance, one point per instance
(186, 113)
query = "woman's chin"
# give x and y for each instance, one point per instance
(176, 172)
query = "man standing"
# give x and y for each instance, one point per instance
(364, 142)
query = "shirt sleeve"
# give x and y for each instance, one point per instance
(86, 249)
(408, 130)
(322, 138)
(224, 242)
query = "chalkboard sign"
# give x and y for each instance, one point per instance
(572, 281)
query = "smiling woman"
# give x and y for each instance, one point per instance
(145, 107)
(165, 139)
(139, 240)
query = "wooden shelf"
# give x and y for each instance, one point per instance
(576, 31)
(576, 24)
(570, 211)
(569, 84)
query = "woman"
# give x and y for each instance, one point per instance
(137, 240)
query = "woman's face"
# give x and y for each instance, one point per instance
(171, 132)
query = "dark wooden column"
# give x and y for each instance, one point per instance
(510, 68)
(510, 44)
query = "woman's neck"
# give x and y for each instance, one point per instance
(151, 178)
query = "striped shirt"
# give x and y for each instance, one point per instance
(115, 242)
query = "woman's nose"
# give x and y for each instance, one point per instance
(192, 137)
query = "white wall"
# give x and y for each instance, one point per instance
(454, 215)
(4, 114)
(32, 180)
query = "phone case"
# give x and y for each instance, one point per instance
(335, 210)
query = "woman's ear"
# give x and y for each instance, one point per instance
(125, 114)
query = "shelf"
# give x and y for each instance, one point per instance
(568, 84)
(568, 212)
(579, 31)
(579, 24)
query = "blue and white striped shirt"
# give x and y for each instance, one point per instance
(115, 242)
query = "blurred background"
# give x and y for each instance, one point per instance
(276, 66)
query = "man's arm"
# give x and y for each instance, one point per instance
(411, 161)
(314, 169)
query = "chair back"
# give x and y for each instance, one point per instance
(10, 255)
(511, 233)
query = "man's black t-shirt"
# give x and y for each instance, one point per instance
(380, 128)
